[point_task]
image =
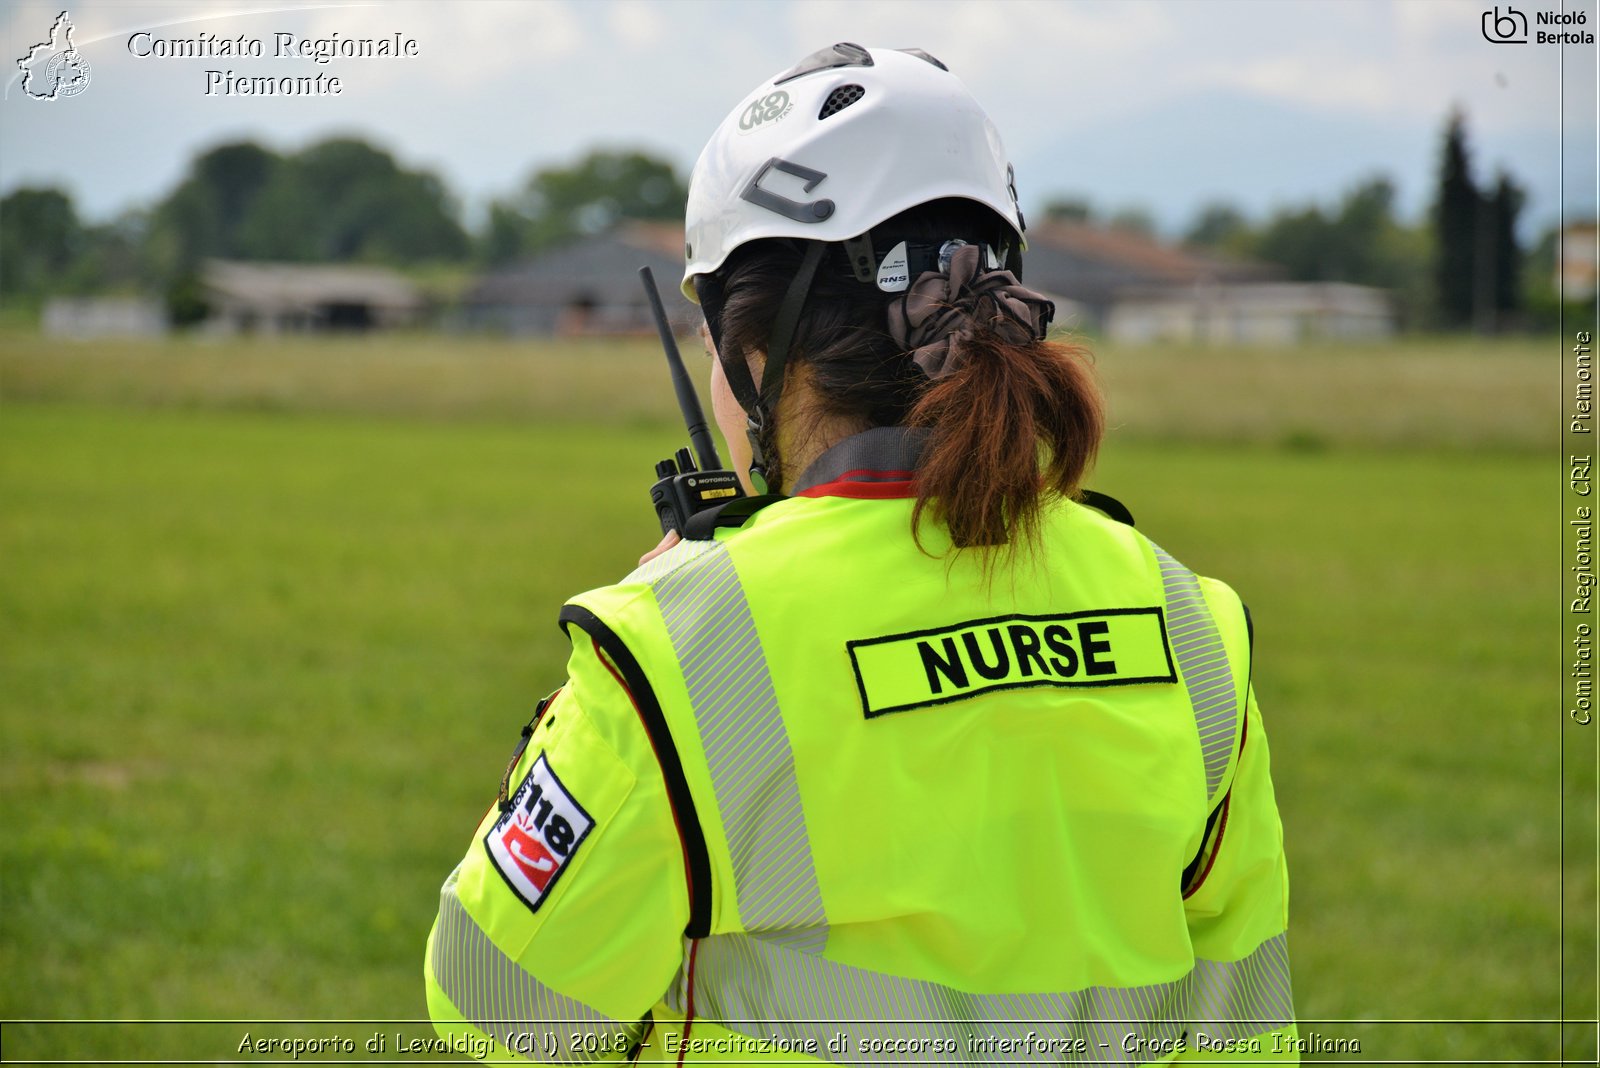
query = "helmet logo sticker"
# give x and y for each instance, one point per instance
(801, 211)
(765, 110)
(893, 277)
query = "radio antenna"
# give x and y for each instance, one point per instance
(688, 400)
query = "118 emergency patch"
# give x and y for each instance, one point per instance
(537, 834)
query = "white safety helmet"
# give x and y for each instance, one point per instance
(842, 141)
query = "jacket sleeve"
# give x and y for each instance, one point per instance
(562, 926)
(1236, 896)
(1237, 907)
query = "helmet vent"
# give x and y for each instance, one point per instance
(840, 99)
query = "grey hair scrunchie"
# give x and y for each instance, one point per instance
(939, 307)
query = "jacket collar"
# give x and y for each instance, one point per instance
(876, 463)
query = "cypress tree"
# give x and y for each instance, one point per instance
(1505, 205)
(1456, 227)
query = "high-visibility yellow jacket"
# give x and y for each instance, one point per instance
(812, 794)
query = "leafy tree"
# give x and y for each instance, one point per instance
(1317, 246)
(504, 234)
(344, 200)
(1069, 209)
(1134, 221)
(338, 200)
(1366, 215)
(1219, 226)
(115, 255)
(1404, 254)
(1298, 241)
(205, 215)
(600, 190)
(40, 238)
(1359, 240)
(235, 174)
(185, 299)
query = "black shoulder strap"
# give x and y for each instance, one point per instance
(703, 525)
(697, 860)
(1103, 502)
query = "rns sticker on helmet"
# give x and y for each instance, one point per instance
(894, 275)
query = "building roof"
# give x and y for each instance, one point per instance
(308, 285)
(1085, 264)
(1345, 296)
(1091, 264)
(601, 271)
(665, 238)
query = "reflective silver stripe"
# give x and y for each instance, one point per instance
(675, 557)
(746, 747)
(499, 998)
(761, 989)
(1197, 646)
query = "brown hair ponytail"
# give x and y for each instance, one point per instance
(1012, 420)
(1009, 420)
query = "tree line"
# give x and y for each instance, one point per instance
(346, 201)
(1462, 267)
(339, 201)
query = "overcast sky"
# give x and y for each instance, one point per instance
(1165, 104)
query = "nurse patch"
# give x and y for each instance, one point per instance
(537, 835)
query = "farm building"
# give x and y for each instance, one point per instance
(85, 318)
(1124, 285)
(275, 298)
(1089, 269)
(1578, 259)
(1252, 313)
(589, 286)
(1131, 288)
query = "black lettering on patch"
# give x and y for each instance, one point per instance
(1103, 647)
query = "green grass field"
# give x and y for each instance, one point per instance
(271, 616)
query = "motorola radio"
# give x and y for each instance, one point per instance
(684, 489)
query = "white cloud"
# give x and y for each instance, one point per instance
(1035, 64)
(1433, 20)
(501, 87)
(1411, 59)
(1318, 81)
(481, 38)
(637, 24)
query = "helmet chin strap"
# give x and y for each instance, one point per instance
(754, 428)
(760, 403)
